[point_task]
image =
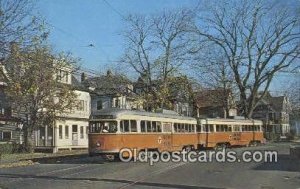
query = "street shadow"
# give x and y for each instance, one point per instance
(70, 159)
(284, 163)
(92, 179)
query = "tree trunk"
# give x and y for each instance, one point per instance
(244, 105)
(249, 113)
(28, 142)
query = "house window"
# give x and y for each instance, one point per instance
(66, 132)
(62, 76)
(5, 136)
(99, 105)
(66, 77)
(74, 128)
(117, 103)
(58, 76)
(2, 111)
(80, 106)
(87, 131)
(60, 128)
(138, 91)
(81, 132)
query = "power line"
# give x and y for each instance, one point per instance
(114, 9)
(90, 45)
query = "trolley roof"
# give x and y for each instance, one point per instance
(114, 112)
(223, 120)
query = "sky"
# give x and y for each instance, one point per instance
(76, 24)
(91, 29)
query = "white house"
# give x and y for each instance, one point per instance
(111, 91)
(70, 130)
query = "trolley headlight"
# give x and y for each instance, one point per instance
(98, 144)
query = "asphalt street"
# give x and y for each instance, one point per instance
(94, 172)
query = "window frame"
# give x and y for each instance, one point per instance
(2, 136)
(81, 132)
(60, 132)
(98, 104)
(67, 133)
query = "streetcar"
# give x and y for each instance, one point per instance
(111, 130)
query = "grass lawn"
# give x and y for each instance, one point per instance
(11, 158)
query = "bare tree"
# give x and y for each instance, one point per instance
(293, 93)
(18, 25)
(213, 72)
(156, 47)
(257, 40)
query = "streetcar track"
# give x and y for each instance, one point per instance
(151, 174)
(48, 173)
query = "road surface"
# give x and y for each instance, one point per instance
(93, 172)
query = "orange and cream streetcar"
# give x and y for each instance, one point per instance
(111, 130)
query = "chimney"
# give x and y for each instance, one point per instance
(83, 77)
(108, 73)
(13, 47)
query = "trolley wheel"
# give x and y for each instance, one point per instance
(187, 148)
(220, 146)
(253, 143)
(142, 154)
(111, 157)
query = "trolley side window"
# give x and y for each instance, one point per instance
(181, 127)
(158, 124)
(175, 126)
(143, 126)
(124, 126)
(128, 126)
(258, 128)
(154, 126)
(208, 128)
(103, 127)
(249, 128)
(149, 126)
(167, 127)
(222, 128)
(133, 126)
(236, 128)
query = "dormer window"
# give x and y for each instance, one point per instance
(62, 76)
(99, 105)
(117, 103)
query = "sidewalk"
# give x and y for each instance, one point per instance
(25, 159)
(296, 141)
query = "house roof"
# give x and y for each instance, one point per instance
(275, 103)
(179, 87)
(77, 84)
(210, 98)
(109, 84)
